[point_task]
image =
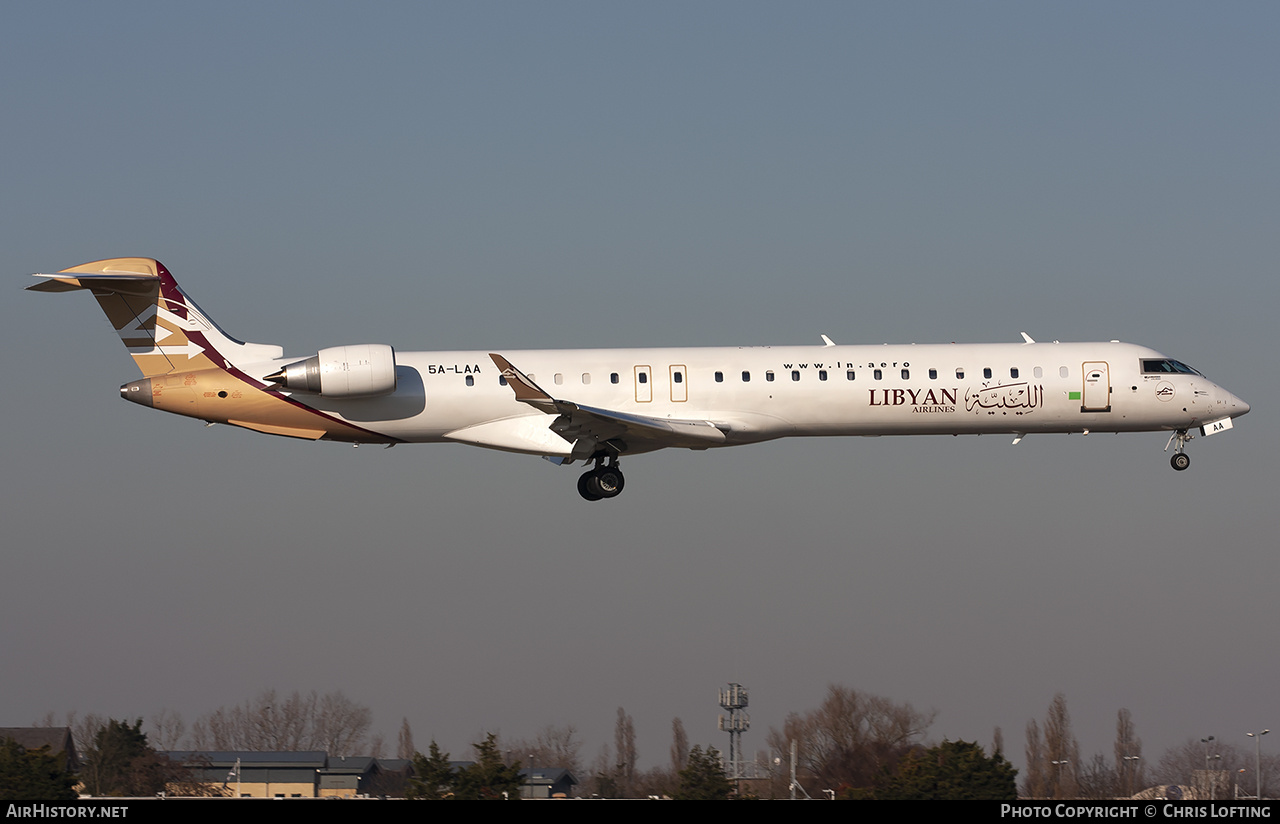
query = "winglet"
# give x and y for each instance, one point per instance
(526, 390)
(1026, 337)
(826, 341)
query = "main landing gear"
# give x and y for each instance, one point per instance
(1180, 460)
(603, 481)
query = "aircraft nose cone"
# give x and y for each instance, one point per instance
(1236, 406)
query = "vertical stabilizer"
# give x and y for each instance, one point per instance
(162, 328)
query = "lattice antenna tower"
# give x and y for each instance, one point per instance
(733, 699)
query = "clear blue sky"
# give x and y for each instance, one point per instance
(512, 175)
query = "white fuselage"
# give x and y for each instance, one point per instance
(760, 393)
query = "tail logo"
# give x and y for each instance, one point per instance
(144, 335)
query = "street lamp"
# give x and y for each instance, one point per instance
(1206, 741)
(1257, 761)
(1131, 761)
(1059, 764)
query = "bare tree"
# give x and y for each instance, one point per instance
(85, 728)
(679, 745)
(1207, 770)
(553, 746)
(655, 782)
(1130, 770)
(273, 723)
(848, 740)
(603, 781)
(1096, 780)
(404, 745)
(997, 742)
(561, 746)
(166, 729)
(624, 744)
(286, 723)
(1061, 749)
(340, 724)
(1034, 783)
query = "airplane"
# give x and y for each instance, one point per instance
(596, 405)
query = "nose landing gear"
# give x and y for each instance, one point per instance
(1180, 460)
(603, 481)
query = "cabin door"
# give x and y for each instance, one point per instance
(1097, 387)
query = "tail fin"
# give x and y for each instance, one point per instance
(161, 327)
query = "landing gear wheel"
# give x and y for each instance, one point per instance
(1180, 461)
(609, 481)
(588, 487)
(601, 482)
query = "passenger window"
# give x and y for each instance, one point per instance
(559, 379)
(877, 374)
(678, 377)
(471, 380)
(643, 377)
(613, 377)
(1013, 372)
(959, 374)
(1062, 372)
(502, 381)
(986, 373)
(849, 375)
(1038, 372)
(768, 375)
(906, 374)
(933, 374)
(746, 377)
(822, 374)
(795, 375)
(719, 377)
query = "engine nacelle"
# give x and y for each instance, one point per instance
(356, 371)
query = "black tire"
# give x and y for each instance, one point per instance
(1180, 461)
(609, 481)
(588, 487)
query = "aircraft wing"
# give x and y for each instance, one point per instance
(589, 427)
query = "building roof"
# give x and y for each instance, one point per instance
(547, 775)
(353, 764)
(57, 739)
(251, 759)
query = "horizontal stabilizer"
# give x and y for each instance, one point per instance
(113, 283)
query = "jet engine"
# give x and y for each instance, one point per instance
(357, 371)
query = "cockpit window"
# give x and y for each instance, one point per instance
(1154, 367)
